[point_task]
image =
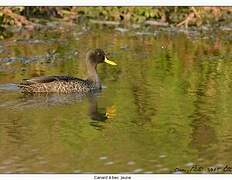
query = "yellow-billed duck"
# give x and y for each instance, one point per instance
(68, 84)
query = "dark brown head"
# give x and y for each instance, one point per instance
(96, 56)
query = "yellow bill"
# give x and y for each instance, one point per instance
(109, 62)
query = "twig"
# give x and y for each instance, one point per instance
(196, 13)
(187, 20)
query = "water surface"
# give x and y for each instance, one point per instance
(166, 105)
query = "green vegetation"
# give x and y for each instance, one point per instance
(159, 16)
(170, 15)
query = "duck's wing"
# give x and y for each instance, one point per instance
(47, 79)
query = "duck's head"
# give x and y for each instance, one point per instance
(96, 56)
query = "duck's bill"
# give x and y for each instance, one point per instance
(109, 62)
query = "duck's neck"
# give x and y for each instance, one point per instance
(92, 75)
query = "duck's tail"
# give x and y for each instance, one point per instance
(25, 87)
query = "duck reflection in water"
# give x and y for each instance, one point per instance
(97, 116)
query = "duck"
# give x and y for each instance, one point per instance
(69, 84)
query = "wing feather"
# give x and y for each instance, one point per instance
(47, 79)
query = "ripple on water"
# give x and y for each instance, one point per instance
(200, 159)
(190, 164)
(164, 170)
(109, 163)
(137, 170)
(40, 158)
(88, 172)
(77, 171)
(3, 167)
(162, 156)
(21, 119)
(103, 158)
(8, 162)
(148, 172)
(158, 165)
(9, 87)
(21, 170)
(130, 163)
(15, 157)
(42, 162)
(219, 165)
(177, 172)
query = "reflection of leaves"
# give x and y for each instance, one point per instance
(164, 83)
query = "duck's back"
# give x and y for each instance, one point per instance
(55, 84)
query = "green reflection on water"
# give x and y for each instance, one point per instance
(169, 97)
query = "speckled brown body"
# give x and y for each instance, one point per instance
(59, 86)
